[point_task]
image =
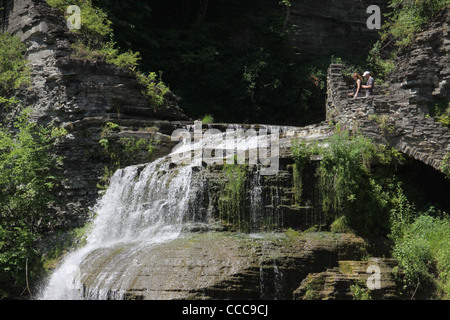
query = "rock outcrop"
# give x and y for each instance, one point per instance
(330, 27)
(82, 96)
(218, 265)
(337, 283)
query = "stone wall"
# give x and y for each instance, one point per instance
(393, 119)
(398, 114)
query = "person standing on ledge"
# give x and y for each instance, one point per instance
(370, 83)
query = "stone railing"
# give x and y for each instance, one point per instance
(396, 118)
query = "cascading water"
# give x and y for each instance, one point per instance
(144, 206)
(256, 202)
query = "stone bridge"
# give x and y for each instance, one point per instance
(397, 114)
(391, 118)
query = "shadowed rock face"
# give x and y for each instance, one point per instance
(333, 27)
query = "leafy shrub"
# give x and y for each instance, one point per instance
(96, 28)
(231, 202)
(13, 68)
(440, 110)
(360, 292)
(27, 179)
(423, 251)
(407, 17)
(208, 119)
(350, 182)
(108, 53)
(379, 65)
(153, 88)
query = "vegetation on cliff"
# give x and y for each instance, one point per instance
(363, 192)
(355, 180)
(28, 182)
(95, 41)
(232, 198)
(14, 73)
(407, 17)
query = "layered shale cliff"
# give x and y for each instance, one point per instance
(82, 96)
(331, 27)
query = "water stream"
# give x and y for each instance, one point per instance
(146, 205)
(143, 206)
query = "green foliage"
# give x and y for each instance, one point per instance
(154, 88)
(349, 187)
(121, 152)
(384, 123)
(402, 214)
(95, 25)
(407, 17)
(301, 152)
(108, 53)
(354, 186)
(208, 119)
(27, 184)
(379, 65)
(292, 234)
(445, 165)
(340, 225)
(440, 110)
(423, 252)
(108, 128)
(360, 292)
(231, 202)
(14, 72)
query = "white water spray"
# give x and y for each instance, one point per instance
(143, 206)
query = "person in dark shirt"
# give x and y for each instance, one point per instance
(357, 88)
(370, 83)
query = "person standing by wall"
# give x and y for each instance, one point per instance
(357, 88)
(370, 83)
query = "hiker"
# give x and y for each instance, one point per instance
(356, 89)
(370, 83)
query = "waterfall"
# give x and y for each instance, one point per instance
(146, 205)
(143, 206)
(256, 202)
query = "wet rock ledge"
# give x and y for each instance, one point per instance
(222, 265)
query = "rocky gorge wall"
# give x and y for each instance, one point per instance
(397, 114)
(82, 96)
(327, 27)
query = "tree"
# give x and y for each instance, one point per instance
(27, 180)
